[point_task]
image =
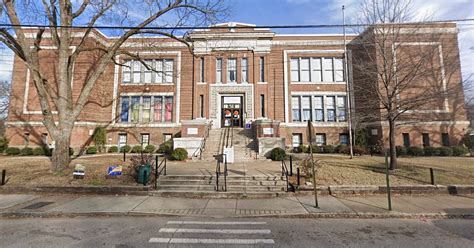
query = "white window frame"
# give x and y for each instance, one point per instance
(244, 77)
(218, 70)
(233, 68)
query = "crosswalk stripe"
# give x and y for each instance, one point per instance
(211, 241)
(215, 223)
(221, 231)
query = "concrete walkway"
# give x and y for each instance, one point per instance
(330, 206)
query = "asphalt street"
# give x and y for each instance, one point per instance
(234, 232)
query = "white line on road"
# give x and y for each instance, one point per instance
(221, 231)
(215, 223)
(212, 241)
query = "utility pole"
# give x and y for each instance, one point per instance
(348, 89)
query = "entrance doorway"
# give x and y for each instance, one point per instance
(231, 111)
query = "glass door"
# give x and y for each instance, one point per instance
(232, 111)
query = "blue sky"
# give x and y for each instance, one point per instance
(281, 12)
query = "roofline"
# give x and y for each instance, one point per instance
(291, 35)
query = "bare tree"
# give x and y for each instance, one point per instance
(62, 15)
(4, 99)
(399, 70)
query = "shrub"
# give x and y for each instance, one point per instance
(359, 150)
(298, 149)
(166, 148)
(12, 151)
(38, 151)
(460, 150)
(445, 151)
(317, 149)
(3, 144)
(149, 149)
(376, 149)
(100, 138)
(125, 148)
(415, 151)
(26, 151)
(137, 149)
(91, 150)
(431, 151)
(112, 149)
(401, 151)
(277, 154)
(467, 140)
(328, 149)
(341, 148)
(179, 154)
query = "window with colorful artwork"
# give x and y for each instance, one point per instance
(146, 109)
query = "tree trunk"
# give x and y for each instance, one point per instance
(391, 140)
(60, 157)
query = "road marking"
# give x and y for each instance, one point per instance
(215, 223)
(212, 241)
(221, 231)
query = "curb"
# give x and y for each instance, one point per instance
(94, 190)
(390, 215)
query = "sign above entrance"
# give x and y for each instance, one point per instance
(232, 99)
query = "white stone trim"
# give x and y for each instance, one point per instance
(94, 124)
(336, 93)
(418, 123)
(316, 83)
(316, 124)
(147, 94)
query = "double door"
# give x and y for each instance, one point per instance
(231, 111)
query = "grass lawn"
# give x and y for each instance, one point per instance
(366, 170)
(35, 171)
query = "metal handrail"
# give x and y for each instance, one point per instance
(284, 172)
(221, 158)
(159, 167)
(202, 146)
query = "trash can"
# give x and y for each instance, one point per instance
(141, 173)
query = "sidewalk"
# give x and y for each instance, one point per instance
(446, 206)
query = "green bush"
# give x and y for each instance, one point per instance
(113, 149)
(467, 140)
(12, 151)
(376, 149)
(360, 150)
(3, 144)
(401, 151)
(431, 151)
(341, 148)
(460, 150)
(278, 154)
(149, 149)
(38, 151)
(137, 149)
(26, 151)
(100, 138)
(125, 148)
(415, 151)
(445, 151)
(317, 149)
(328, 149)
(179, 154)
(166, 148)
(91, 150)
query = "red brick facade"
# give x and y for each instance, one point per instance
(280, 71)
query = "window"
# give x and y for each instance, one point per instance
(295, 72)
(318, 108)
(201, 106)
(297, 139)
(126, 72)
(338, 70)
(327, 70)
(231, 70)
(300, 70)
(167, 136)
(26, 139)
(341, 108)
(146, 109)
(219, 70)
(122, 139)
(317, 72)
(201, 72)
(244, 68)
(320, 139)
(305, 72)
(331, 112)
(344, 139)
(295, 103)
(426, 139)
(145, 139)
(135, 118)
(406, 139)
(262, 105)
(306, 106)
(445, 139)
(262, 69)
(158, 71)
(125, 109)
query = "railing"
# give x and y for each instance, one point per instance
(159, 168)
(286, 174)
(202, 146)
(221, 158)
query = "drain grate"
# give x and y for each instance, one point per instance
(37, 205)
